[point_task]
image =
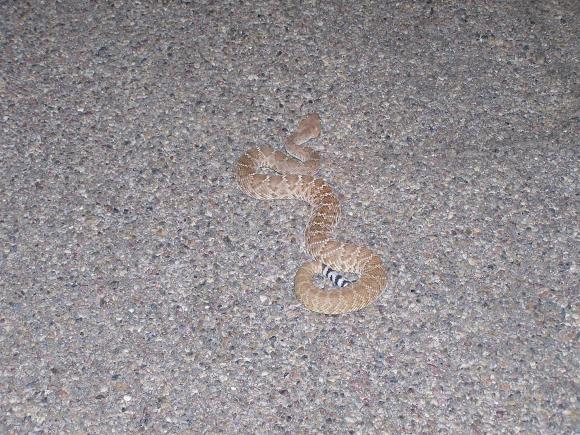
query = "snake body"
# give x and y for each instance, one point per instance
(295, 179)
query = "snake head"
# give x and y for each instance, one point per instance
(309, 127)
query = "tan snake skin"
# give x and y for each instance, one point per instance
(297, 181)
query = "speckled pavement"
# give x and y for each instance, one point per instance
(141, 291)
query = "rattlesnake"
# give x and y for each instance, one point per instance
(297, 181)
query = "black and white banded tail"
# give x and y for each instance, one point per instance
(334, 277)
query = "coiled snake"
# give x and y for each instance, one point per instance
(296, 180)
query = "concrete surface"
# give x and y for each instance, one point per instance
(141, 291)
